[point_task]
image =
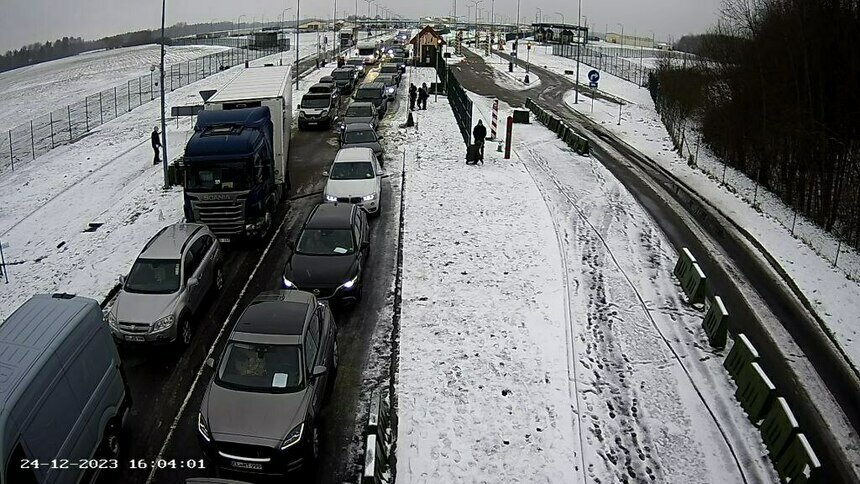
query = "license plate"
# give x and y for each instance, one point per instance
(139, 339)
(246, 465)
(224, 240)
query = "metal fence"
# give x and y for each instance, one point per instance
(71, 122)
(621, 61)
(460, 103)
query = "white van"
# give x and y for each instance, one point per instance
(63, 393)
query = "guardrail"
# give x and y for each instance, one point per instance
(559, 127)
(788, 447)
(3, 273)
(378, 441)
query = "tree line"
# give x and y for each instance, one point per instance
(68, 46)
(777, 96)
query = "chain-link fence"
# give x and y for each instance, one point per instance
(627, 63)
(71, 122)
(460, 103)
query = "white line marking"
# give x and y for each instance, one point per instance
(175, 423)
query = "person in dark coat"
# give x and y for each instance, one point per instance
(156, 143)
(422, 97)
(340, 61)
(426, 95)
(480, 133)
(413, 94)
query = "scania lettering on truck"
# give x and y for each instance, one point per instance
(235, 164)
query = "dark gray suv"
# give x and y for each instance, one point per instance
(260, 413)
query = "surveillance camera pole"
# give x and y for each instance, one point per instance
(163, 120)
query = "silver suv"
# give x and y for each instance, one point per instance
(166, 286)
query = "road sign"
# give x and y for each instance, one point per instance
(592, 84)
(593, 76)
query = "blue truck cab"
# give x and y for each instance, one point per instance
(229, 172)
(62, 389)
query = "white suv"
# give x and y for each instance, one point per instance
(355, 177)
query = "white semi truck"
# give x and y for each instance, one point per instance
(236, 162)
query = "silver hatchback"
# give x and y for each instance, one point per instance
(166, 286)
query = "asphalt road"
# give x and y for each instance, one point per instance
(163, 381)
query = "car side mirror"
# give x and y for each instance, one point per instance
(291, 245)
(365, 245)
(210, 362)
(192, 282)
(319, 371)
(380, 137)
(121, 280)
(325, 173)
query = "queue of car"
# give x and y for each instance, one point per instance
(260, 411)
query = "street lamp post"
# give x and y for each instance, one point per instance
(239, 23)
(578, 47)
(622, 33)
(539, 14)
(298, 7)
(163, 119)
(284, 29)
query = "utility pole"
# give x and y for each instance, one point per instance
(163, 120)
(578, 47)
(298, 6)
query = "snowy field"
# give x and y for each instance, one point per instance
(35, 90)
(527, 350)
(107, 178)
(806, 257)
(508, 80)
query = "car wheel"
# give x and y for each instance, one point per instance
(111, 442)
(184, 336)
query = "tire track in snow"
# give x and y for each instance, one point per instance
(591, 248)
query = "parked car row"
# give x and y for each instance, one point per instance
(65, 391)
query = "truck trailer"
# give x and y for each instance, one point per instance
(236, 162)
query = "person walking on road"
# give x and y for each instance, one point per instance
(156, 144)
(413, 94)
(422, 96)
(480, 133)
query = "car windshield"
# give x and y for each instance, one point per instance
(363, 136)
(398, 60)
(355, 62)
(261, 367)
(367, 94)
(359, 111)
(320, 90)
(342, 75)
(389, 69)
(153, 276)
(325, 242)
(315, 102)
(367, 51)
(354, 170)
(225, 176)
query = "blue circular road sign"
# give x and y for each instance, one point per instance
(593, 75)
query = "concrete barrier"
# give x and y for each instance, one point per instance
(742, 355)
(755, 392)
(799, 463)
(778, 428)
(694, 284)
(565, 132)
(684, 264)
(716, 322)
(378, 442)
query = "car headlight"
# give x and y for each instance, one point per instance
(330, 198)
(390, 90)
(293, 437)
(324, 113)
(110, 319)
(369, 197)
(350, 283)
(288, 284)
(163, 324)
(202, 428)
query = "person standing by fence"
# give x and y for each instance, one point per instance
(156, 144)
(480, 133)
(413, 94)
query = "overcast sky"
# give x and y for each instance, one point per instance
(27, 21)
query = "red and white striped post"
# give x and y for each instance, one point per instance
(495, 121)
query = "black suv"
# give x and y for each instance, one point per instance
(329, 256)
(260, 413)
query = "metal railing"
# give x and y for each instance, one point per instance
(460, 103)
(71, 122)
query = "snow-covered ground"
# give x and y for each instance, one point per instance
(542, 336)
(108, 178)
(36, 90)
(807, 257)
(508, 80)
